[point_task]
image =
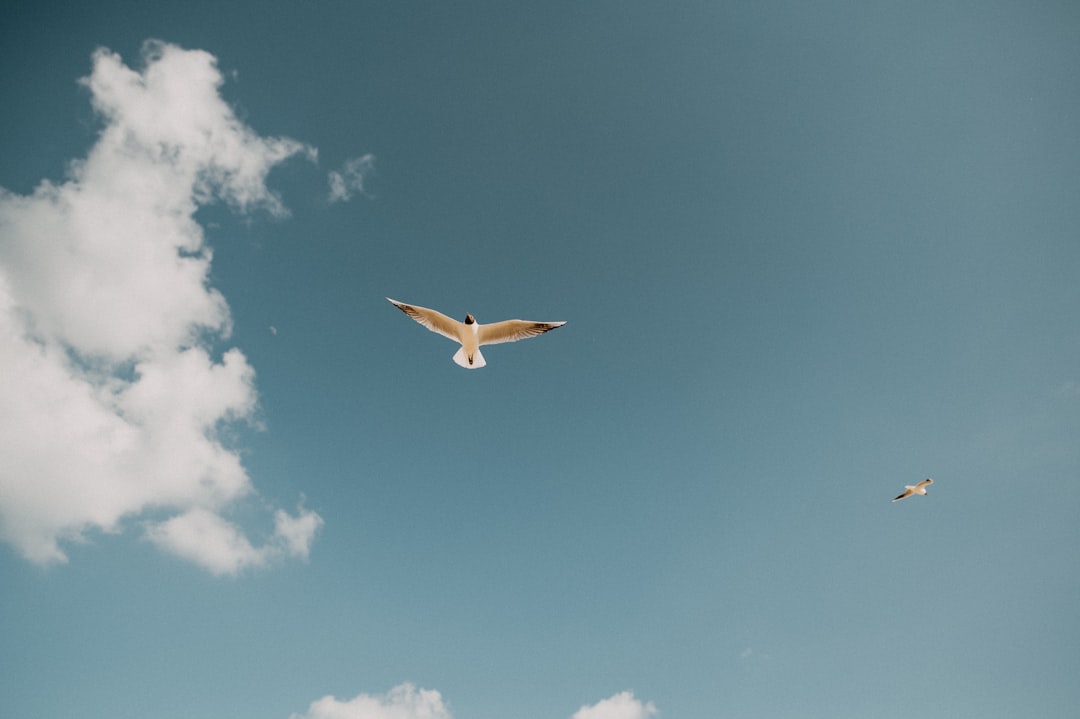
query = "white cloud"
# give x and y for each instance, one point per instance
(621, 706)
(351, 178)
(402, 702)
(295, 534)
(110, 401)
(205, 538)
(405, 701)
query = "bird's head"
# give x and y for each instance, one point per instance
(470, 320)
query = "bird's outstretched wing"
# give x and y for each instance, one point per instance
(924, 483)
(907, 493)
(434, 321)
(514, 330)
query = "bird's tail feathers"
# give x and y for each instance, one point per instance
(477, 359)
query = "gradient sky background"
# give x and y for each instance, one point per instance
(808, 253)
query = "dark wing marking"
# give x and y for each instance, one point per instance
(514, 330)
(434, 321)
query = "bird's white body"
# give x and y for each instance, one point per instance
(470, 347)
(910, 489)
(471, 334)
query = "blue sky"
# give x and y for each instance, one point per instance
(807, 253)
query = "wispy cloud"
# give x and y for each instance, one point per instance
(1069, 388)
(350, 179)
(405, 701)
(750, 654)
(111, 402)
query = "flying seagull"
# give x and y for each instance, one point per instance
(919, 488)
(471, 334)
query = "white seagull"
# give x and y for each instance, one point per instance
(919, 488)
(471, 334)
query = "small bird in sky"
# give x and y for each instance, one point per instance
(471, 334)
(919, 488)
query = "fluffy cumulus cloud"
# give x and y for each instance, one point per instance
(407, 702)
(621, 706)
(111, 402)
(402, 702)
(207, 539)
(349, 180)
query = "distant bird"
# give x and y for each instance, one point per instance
(471, 334)
(919, 488)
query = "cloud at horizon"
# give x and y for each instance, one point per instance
(623, 705)
(406, 701)
(113, 403)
